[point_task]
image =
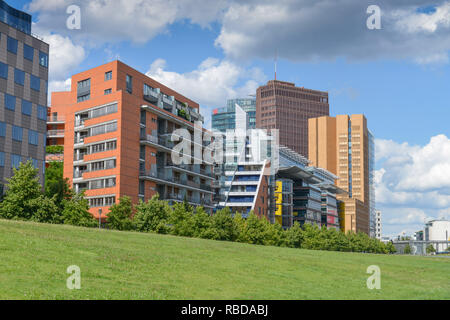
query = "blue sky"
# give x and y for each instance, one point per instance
(210, 51)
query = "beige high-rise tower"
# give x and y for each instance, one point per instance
(342, 146)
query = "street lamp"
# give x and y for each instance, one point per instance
(99, 218)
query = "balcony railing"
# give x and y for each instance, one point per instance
(55, 133)
(56, 119)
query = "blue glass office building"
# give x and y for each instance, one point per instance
(15, 18)
(224, 119)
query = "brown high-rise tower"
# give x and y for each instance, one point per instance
(283, 106)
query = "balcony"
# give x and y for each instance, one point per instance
(167, 100)
(151, 96)
(162, 176)
(55, 133)
(56, 119)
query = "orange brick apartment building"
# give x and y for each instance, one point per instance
(116, 133)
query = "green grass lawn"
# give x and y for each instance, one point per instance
(127, 265)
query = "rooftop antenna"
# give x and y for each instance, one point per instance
(276, 60)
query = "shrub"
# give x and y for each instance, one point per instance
(152, 215)
(54, 149)
(224, 226)
(430, 249)
(23, 188)
(201, 223)
(119, 216)
(76, 212)
(294, 236)
(407, 249)
(181, 220)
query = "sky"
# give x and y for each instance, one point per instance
(398, 76)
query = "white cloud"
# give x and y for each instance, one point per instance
(413, 182)
(413, 21)
(212, 83)
(325, 30)
(135, 20)
(64, 56)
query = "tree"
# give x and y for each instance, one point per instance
(119, 216)
(152, 215)
(223, 225)
(430, 249)
(181, 220)
(56, 184)
(254, 230)
(407, 249)
(76, 212)
(22, 191)
(294, 236)
(202, 223)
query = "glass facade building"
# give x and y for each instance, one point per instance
(15, 18)
(224, 119)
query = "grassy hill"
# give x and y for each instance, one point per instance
(126, 265)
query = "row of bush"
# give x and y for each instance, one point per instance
(182, 219)
(25, 200)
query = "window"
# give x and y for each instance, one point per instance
(108, 91)
(3, 70)
(2, 129)
(33, 137)
(28, 52)
(111, 145)
(42, 112)
(12, 45)
(110, 201)
(141, 187)
(104, 128)
(35, 83)
(96, 202)
(84, 84)
(17, 133)
(98, 112)
(129, 84)
(35, 163)
(10, 102)
(108, 75)
(43, 59)
(26, 107)
(15, 160)
(84, 98)
(19, 77)
(2, 159)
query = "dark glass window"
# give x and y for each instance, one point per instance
(17, 133)
(19, 77)
(28, 52)
(129, 83)
(2, 129)
(108, 75)
(35, 83)
(12, 45)
(3, 70)
(26, 107)
(43, 59)
(33, 137)
(42, 113)
(10, 102)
